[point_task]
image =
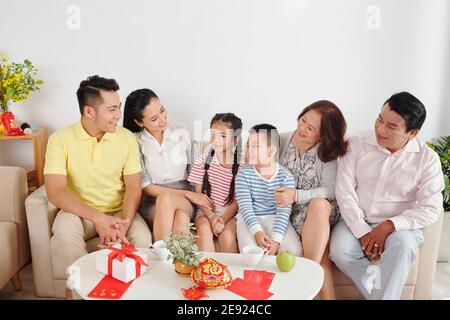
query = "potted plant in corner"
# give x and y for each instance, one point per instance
(442, 148)
(17, 82)
(183, 250)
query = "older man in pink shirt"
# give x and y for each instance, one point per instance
(388, 187)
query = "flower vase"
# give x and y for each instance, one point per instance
(183, 268)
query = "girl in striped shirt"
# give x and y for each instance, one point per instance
(214, 174)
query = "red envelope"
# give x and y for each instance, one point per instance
(248, 290)
(109, 288)
(260, 278)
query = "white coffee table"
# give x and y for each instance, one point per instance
(162, 283)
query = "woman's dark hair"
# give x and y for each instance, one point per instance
(332, 130)
(409, 108)
(235, 124)
(88, 92)
(134, 106)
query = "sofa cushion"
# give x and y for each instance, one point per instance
(9, 262)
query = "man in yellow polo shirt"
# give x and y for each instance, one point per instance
(93, 174)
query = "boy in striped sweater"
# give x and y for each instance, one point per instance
(259, 220)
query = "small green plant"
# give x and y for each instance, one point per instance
(17, 81)
(182, 246)
(442, 148)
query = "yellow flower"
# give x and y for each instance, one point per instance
(17, 80)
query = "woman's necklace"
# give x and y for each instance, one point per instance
(301, 150)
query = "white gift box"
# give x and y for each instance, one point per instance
(124, 271)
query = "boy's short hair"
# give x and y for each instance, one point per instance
(271, 132)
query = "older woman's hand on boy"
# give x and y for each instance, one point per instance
(285, 196)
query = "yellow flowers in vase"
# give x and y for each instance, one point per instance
(17, 81)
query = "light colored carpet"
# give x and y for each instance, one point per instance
(441, 285)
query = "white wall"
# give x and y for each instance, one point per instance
(445, 119)
(262, 59)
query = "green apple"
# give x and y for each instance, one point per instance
(285, 261)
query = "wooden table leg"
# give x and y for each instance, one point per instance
(16, 282)
(69, 294)
(36, 162)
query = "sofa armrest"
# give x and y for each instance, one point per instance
(38, 200)
(14, 190)
(428, 252)
(40, 215)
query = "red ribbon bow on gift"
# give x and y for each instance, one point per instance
(120, 254)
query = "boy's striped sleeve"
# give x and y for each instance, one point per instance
(245, 204)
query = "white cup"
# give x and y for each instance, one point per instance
(253, 255)
(160, 250)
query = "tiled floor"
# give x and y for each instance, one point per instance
(441, 285)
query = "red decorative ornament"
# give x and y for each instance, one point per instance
(211, 274)
(194, 293)
(11, 125)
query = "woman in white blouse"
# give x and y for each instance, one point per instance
(166, 156)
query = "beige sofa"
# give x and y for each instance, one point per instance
(14, 241)
(41, 213)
